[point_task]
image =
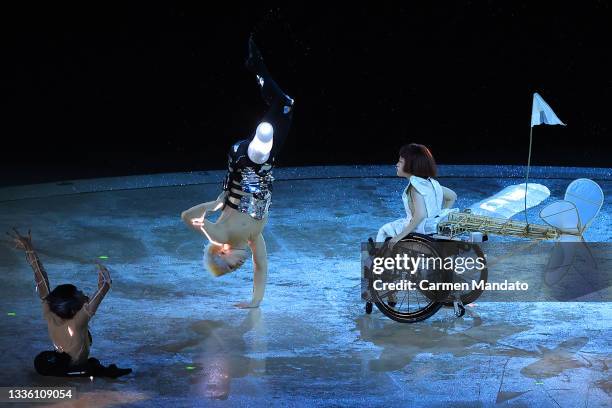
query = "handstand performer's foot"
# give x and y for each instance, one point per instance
(255, 63)
(270, 90)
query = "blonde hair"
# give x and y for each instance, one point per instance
(223, 259)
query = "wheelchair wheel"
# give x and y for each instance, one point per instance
(420, 311)
(469, 250)
(410, 306)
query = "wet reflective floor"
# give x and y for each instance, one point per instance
(310, 342)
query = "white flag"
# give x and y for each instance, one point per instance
(541, 113)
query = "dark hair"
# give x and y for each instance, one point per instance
(418, 160)
(65, 301)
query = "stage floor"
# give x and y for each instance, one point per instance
(310, 342)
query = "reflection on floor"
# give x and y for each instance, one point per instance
(309, 343)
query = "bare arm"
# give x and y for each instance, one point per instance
(260, 272)
(40, 275)
(449, 197)
(104, 285)
(194, 216)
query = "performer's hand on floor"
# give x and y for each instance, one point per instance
(247, 305)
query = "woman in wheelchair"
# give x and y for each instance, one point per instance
(425, 200)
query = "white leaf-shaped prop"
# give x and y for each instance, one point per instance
(588, 198)
(562, 215)
(511, 200)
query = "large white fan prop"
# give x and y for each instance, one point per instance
(588, 197)
(573, 215)
(563, 215)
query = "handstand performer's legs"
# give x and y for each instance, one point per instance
(270, 91)
(281, 106)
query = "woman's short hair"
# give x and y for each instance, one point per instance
(66, 300)
(223, 259)
(418, 160)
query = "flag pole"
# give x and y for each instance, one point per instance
(527, 174)
(547, 117)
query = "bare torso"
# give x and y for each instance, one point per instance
(235, 228)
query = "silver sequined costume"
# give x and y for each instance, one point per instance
(248, 182)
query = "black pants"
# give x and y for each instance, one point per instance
(279, 114)
(53, 363)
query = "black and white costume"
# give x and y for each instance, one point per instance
(249, 176)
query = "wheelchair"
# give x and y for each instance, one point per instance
(415, 305)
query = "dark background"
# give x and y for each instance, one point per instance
(101, 90)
